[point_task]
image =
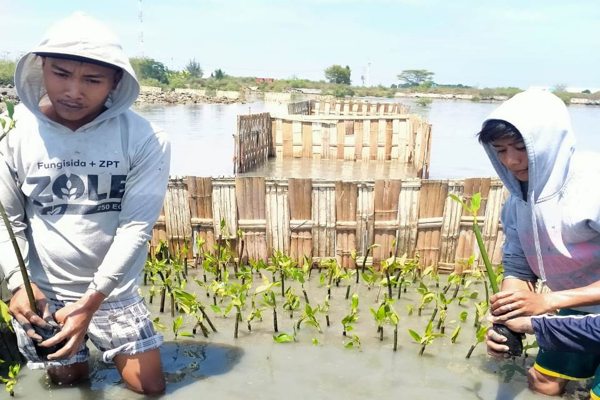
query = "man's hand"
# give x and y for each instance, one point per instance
(21, 311)
(74, 319)
(519, 324)
(495, 344)
(510, 304)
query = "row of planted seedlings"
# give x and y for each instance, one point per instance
(219, 284)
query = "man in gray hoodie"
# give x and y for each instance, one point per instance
(83, 179)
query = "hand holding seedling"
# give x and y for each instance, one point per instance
(21, 310)
(520, 324)
(74, 319)
(510, 304)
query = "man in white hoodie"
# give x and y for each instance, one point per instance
(551, 223)
(83, 179)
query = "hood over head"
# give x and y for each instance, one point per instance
(82, 37)
(544, 122)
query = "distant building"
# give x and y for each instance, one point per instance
(306, 90)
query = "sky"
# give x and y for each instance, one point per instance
(481, 43)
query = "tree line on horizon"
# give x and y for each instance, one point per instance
(337, 81)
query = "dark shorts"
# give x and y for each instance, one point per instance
(570, 366)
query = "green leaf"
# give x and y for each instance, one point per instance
(283, 338)
(5, 316)
(10, 108)
(159, 326)
(455, 333)
(475, 203)
(463, 316)
(415, 335)
(315, 341)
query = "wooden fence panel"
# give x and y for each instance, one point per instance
(387, 193)
(349, 144)
(159, 232)
(288, 140)
(253, 144)
(177, 218)
(452, 231)
(323, 215)
(278, 217)
(408, 217)
(373, 139)
(492, 231)
(252, 220)
(389, 131)
(467, 244)
(365, 218)
(301, 223)
(346, 196)
(307, 140)
(431, 211)
(224, 208)
(200, 200)
(340, 140)
(381, 140)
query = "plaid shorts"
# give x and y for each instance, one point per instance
(118, 327)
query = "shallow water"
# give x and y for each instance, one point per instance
(202, 134)
(255, 367)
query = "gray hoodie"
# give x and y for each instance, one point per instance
(82, 203)
(554, 234)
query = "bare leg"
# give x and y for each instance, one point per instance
(142, 372)
(544, 384)
(69, 374)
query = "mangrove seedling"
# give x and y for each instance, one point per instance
(8, 123)
(455, 334)
(189, 303)
(514, 340)
(176, 327)
(292, 301)
(479, 337)
(11, 380)
(309, 317)
(331, 274)
(283, 264)
(268, 297)
(370, 277)
(254, 314)
(426, 338)
(238, 293)
(349, 320)
(427, 297)
(353, 342)
(301, 275)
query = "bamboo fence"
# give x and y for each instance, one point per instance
(253, 142)
(403, 138)
(355, 108)
(324, 219)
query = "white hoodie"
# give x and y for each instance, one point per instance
(554, 234)
(82, 203)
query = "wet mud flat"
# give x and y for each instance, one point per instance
(254, 366)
